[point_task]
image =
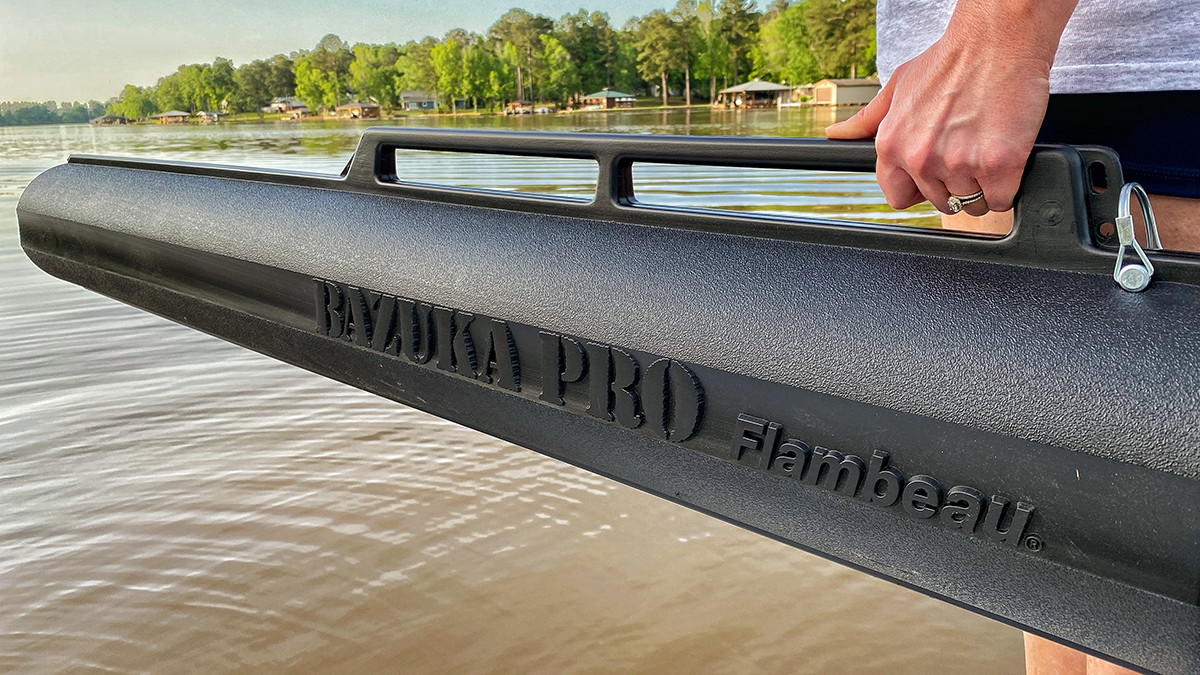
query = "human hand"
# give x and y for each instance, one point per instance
(960, 117)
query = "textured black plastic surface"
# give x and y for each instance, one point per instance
(1011, 374)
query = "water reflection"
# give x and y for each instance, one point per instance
(174, 504)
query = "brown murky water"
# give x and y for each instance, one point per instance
(173, 504)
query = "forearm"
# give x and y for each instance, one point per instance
(1023, 31)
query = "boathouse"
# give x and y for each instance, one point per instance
(845, 92)
(753, 94)
(358, 110)
(172, 117)
(607, 98)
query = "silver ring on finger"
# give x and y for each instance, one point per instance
(957, 202)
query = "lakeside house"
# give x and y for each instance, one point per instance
(287, 105)
(417, 99)
(753, 94)
(844, 92)
(172, 117)
(357, 110)
(607, 98)
(108, 120)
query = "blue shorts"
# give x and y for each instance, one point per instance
(1156, 134)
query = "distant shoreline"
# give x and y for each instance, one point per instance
(253, 118)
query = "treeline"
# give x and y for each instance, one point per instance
(19, 113)
(694, 49)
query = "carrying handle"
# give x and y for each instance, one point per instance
(1051, 212)
(375, 159)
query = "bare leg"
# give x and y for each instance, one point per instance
(1043, 657)
(1097, 666)
(991, 223)
(1178, 221)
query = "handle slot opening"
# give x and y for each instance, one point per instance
(565, 179)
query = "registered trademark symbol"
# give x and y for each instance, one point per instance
(1034, 543)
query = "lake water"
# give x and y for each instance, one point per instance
(174, 504)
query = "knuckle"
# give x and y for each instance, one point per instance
(1000, 163)
(920, 160)
(959, 164)
(886, 147)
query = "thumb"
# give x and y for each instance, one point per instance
(865, 122)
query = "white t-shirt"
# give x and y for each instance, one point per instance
(1108, 45)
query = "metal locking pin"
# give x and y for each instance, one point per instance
(1135, 276)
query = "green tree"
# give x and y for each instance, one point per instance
(501, 87)
(708, 27)
(658, 53)
(842, 35)
(478, 67)
(448, 64)
(782, 51)
(316, 87)
(592, 43)
(323, 74)
(134, 103)
(172, 92)
(198, 86)
(626, 74)
(373, 72)
(510, 56)
(219, 87)
(76, 113)
(686, 24)
(184, 89)
(739, 28)
(416, 66)
(282, 81)
(561, 79)
(522, 30)
(257, 83)
(253, 85)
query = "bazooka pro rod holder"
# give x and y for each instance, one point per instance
(993, 422)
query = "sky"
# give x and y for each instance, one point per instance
(76, 50)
